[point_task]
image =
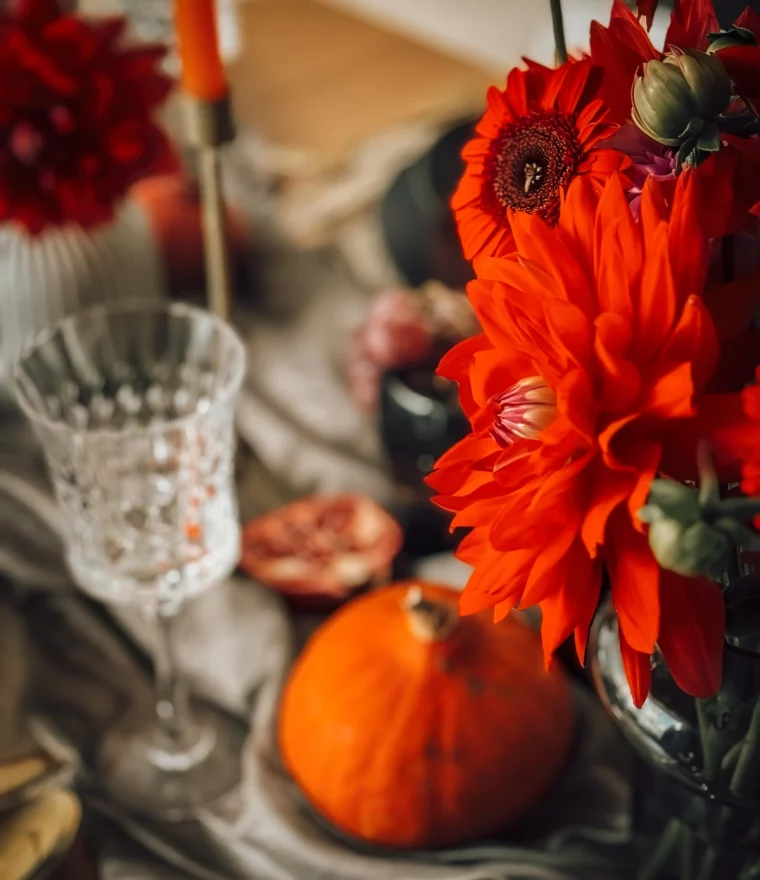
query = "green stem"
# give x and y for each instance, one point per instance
(560, 48)
(711, 756)
(748, 765)
(708, 865)
(687, 855)
(751, 871)
(662, 852)
(731, 758)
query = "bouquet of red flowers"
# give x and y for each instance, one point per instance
(610, 209)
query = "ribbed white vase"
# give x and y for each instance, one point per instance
(65, 269)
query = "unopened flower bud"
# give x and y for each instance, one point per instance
(694, 532)
(678, 99)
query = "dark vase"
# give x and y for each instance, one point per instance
(420, 419)
(697, 799)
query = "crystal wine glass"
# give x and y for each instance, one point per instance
(134, 407)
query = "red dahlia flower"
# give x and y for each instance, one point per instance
(596, 344)
(75, 116)
(536, 136)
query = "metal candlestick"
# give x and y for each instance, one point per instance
(209, 126)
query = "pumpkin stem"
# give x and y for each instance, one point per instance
(429, 621)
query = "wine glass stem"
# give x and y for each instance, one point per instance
(172, 703)
(181, 741)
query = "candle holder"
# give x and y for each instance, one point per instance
(209, 127)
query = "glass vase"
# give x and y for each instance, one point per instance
(697, 798)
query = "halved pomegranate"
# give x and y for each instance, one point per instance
(319, 550)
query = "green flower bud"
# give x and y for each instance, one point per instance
(679, 539)
(734, 36)
(675, 100)
(695, 532)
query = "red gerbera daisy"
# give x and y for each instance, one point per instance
(595, 343)
(75, 116)
(536, 136)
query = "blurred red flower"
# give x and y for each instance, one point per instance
(75, 116)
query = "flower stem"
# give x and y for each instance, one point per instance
(560, 48)
(748, 765)
(661, 855)
(708, 865)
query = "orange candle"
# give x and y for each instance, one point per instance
(202, 72)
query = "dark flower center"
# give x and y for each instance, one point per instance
(530, 161)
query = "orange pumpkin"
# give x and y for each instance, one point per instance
(407, 726)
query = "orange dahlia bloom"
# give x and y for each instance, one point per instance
(596, 343)
(536, 136)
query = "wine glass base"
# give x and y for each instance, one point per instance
(143, 777)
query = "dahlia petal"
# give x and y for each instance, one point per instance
(690, 23)
(473, 546)
(694, 340)
(496, 370)
(609, 491)
(692, 632)
(543, 578)
(635, 578)
(646, 10)
(732, 305)
(742, 64)
(620, 379)
(657, 304)
(620, 50)
(572, 604)
(723, 423)
(466, 451)
(750, 20)
(497, 578)
(455, 364)
(603, 163)
(587, 602)
(549, 249)
(617, 252)
(687, 242)
(502, 609)
(729, 185)
(638, 671)
(571, 334)
(579, 203)
(670, 396)
(575, 401)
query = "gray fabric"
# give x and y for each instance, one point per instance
(235, 644)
